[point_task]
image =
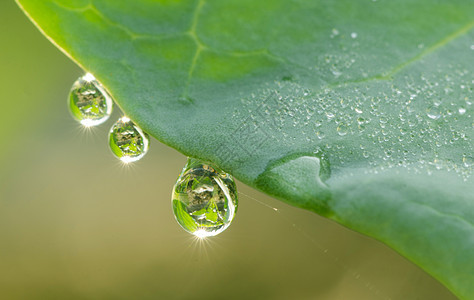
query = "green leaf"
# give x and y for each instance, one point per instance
(358, 110)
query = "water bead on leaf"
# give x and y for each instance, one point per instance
(204, 199)
(127, 141)
(89, 102)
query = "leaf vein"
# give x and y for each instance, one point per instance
(389, 75)
(199, 47)
(442, 42)
(444, 214)
(130, 33)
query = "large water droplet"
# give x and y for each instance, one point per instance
(127, 141)
(89, 102)
(204, 199)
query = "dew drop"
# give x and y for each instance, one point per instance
(437, 102)
(320, 135)
(330, 115)
(341, 130)
(127, 141)
(412, 120)
(89, 102)
(467, 161)
(204, 199)
(361, 120)
(433, 112)
(462, 110)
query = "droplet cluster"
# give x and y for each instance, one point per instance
(419, 120)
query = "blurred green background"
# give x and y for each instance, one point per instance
(76, 224)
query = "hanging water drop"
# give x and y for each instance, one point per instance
(127, 141)
(204, 199)
(89, 102)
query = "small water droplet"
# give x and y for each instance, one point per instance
(204, 199)
(467, 161)
(127, 141)
(330, 115)
(320, 135)
(341, 130)
(335, 71)
(354, 35)
(89, 102)
(462, 110)
(433, 112)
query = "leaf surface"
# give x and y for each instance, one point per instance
(358, 110)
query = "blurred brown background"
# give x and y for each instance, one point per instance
(75, 224)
